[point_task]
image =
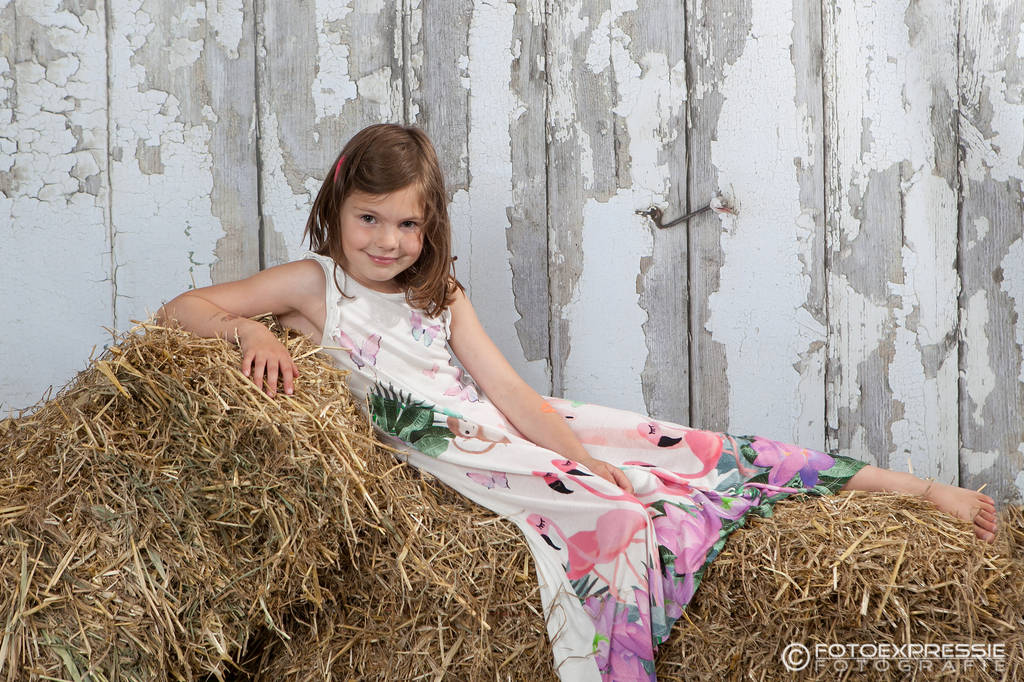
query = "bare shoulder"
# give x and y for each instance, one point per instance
(307, 286)
(305, 277)
(461, 310)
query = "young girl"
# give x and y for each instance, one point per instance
(622, 512)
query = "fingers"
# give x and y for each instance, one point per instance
(265, 372)
(622, 480)
(612, 474)
(288, 373)
(985, 519)
(272, 372)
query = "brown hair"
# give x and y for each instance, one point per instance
(381, 159)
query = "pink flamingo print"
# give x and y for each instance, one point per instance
(668, 482)
(706, 445)
(615, 531)
(553, 482)
(568, 466)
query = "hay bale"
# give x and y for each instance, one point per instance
(159, 510)
(162, 515)
(856, 568)
(799, 576)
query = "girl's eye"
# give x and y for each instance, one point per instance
(409, 225)
(366, 218)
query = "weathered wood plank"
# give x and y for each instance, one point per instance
(655, 81)
(325, 70)
(55, 277)
(472, 91)
(183, 171)
(767, 308)
(892, 372)
(992, 248)
(613, 110)
(716, 36)
(581, 158)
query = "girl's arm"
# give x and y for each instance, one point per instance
(293, 291)
(520, 404)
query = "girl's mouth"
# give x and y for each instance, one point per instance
(380, 260)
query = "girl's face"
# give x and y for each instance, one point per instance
(381, 235)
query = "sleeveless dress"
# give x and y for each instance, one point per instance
(615, 570)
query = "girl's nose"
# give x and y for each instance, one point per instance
(388, 236)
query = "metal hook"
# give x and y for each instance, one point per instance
(717, 204)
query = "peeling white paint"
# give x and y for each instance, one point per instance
(758, 311)
(978, 462)
(607, 351)
(480, 219)
(568, 25)
(886, 80)
(463, 64)
(53, 236)
(978, 376)
(981, 227)
(929, 290)
(1013, 284)
(332, 86)
(284, 211)
(415, 64)
(184, 51)
(226, 18)
(165, 229)
(999, 154)
(378, 87)
(599, 52)
(650, 94)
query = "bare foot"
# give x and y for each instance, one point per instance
(965, 504)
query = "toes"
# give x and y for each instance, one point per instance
(986, 534)
(987, 524)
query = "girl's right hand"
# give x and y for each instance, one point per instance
(610, 473)
(265, 359)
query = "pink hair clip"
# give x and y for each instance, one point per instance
(338, 167)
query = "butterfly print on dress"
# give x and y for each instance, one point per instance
(361, 355)
(423, 333)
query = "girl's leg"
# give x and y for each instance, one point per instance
(965, 504)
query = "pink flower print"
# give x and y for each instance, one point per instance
(420, 332)
(432, 372)
(678, 595)
(727, 507)
(788, 460)
(360, 355)
(620, 645)
(689, 535)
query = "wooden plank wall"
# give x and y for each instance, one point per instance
(867, 298)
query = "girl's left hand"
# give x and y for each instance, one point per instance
(609, 473)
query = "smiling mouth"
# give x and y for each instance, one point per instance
(381, 259)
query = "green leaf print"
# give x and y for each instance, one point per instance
(411, 421)
(432, 446)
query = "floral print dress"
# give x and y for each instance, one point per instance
(615, 570)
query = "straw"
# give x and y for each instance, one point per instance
(161, 519)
